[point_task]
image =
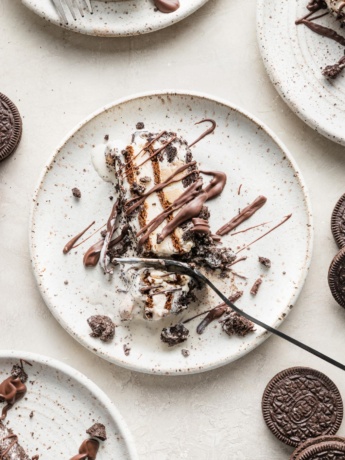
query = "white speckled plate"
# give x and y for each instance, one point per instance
(294, 56)
(64, 404)
(117, 18)
(253, 159)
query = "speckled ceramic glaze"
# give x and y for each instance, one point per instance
(117, 18)
(294, 57)
(63, 404)
(256, 164)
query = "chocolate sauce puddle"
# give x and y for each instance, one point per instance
(245, 214)
(167, 6)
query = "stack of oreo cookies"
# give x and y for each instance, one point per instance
(336, 273)
(303, 408)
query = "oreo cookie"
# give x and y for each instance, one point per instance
(10, 127)
(324, 450)
(336, 277)
(338, 222)
(301, 403)
(305, 446)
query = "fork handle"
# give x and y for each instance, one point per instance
(266, 326)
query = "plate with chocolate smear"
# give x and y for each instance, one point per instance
(49, 410)
(176, 176)
(302, 43)
(117, 18)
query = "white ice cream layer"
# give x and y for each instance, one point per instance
(156, 293)
(337, 7)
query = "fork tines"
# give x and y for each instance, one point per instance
(71, 6)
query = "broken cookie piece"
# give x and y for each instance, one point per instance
(102, 327)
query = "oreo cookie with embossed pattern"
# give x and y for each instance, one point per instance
(338, 222)
(10, 127)
(324, 451)
(301, 403)
(336, 277)
(314, 442)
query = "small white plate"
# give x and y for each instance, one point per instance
(117, 18)
(294, 57)
(64, 404)
(249, 153)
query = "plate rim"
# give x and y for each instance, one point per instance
(113, 33)
(193, 369)
(86, 382)
(288, 96)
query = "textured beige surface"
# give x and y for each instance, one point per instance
(57, 78)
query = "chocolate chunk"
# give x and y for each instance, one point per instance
(102, 327)
(235, 324)
(140, 125)
(76, 192)
(301, 403)
(174, 335)
(10, 127)
(265, 262)
(336, 275)
(97, 431)
(303, 448)
(255, 288)
(338, 222)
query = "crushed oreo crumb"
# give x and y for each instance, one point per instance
(171, 153)
(235, 324)
(138, 189)
(174, 335)
(126, 349)
(31, 414)
(185, 352)
(102, 327)
(106, 137)
(97, 431)
(265, 262)
(255, 288)
(18, 373)
(76, 192)
(145, 179)
(332, 71)
(140, 125)
(204, 213)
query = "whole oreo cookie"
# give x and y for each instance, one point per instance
(301, 403)
(10, 127)
(336, 277)
(314, 442)
(324, 451)
(338, 222)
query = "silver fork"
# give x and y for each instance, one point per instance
(181, 267)
(72, 6)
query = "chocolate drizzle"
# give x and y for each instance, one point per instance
(167, 6)
(207, 132)
(88, 450)
(194, 206)
(92, 255)
(245, 214)
(13, 389)
(70, 245)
